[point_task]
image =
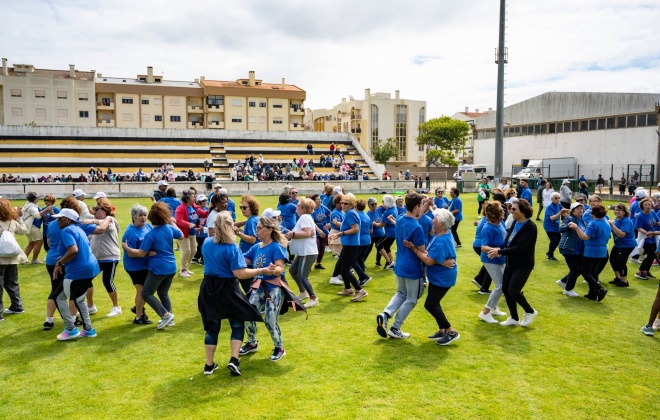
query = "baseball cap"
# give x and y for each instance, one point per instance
(223, 191)
(337, 190)
(217, 186)
(200, 197)
(77, 193)
(640, 193)
(100, 194)
(270, 213)
(68, 213)
(574, 205)
(162, 182)
(566, 181)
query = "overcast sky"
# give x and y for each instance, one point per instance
(440, 51)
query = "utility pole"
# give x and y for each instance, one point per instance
(499, 116)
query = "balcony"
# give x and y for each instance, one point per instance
(105, 123)
(356, 130)
(195, 109)
(296, 111)
(195, 124)
(356, 117)
(105, 106)
(216, 124)
(296, 127)
(214, 108)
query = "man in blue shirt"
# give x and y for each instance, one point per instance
(408, 269)
(526, 193)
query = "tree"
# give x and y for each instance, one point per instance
(442, 136)
(383, 151)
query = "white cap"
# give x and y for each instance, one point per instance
(162, 182)
(200, 197)
(338, 190)
(223, 191)
(77, 193)
(100, 194)
(640, 193)
(217, 186)
(270, 213)
(68, 213)
(566, 181)
(574, 205)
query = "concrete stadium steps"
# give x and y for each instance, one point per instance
(77, 170)
(104, 142)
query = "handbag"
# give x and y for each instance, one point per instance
(9, 248)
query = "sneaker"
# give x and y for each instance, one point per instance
(591, 297)
(36, 262)
(116, 310)
(649, 275)
(48, 326)
(346, 292)
(337, 280)
(635, 260)
(1, 318)
(184, 274)
(436, 335)
(601, 294)
(394, 333)
(389, 266)
(476, 283)
(77, 322)
(303, 296)
(143, 320)
(327, 249)
(571, 293)
(561, 284)
(144, 311)
(68, 335)
(528, 318)
(622, 284)
(208, 370)
(484, 292)
(248, 348)
(189, 272)
(640, 275)
(656, 324)
(497, 312)
(278, 353)
(171, 323)
(359, 295)
(615, 281)
(319, 267)
(510, 322)
(195, 260)
(448, 338)
(655, 262)
(459, 246)
(381, 324)
(647, 330)
(488, 318)
(378, 264)
(336, 257)
(15, 311)
(365, 281)
(234, 366)
(552, 258)
(312, 303)
(165, 321)
(89, 334)
(92, 309)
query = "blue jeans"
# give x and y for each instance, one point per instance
(408, 292)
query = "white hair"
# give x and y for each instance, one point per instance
(445, 217)
(388, 201)
(138, 210)
(555, 194)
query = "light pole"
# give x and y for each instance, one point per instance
(499, 116)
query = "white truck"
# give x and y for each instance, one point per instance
(548, 168)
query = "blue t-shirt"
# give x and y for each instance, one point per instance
(365, 229)
(390, 228)
(477, 234)
(193, 217)
(407, 263)
(288, 211)
(351, 218)
(321, 216)
(401, 210)
(493, 236)
(548, 224)
(263, 257)
(625, 225)
(634, 210)
(598, 232)
(516, 229)
(527, 195)
(134, 236)
(648, 223)
(221, 259)
(427, 227)
(456, 203)
(338, 215)
(329, 203)
(172, 203)
(231, 208)
(54, 238)
(376, 216)
(84, 265)
(440, 249)
(159, 239)
(48, 218)
(441, 203)
(250, 228)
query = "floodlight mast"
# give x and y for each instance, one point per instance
(499, 113)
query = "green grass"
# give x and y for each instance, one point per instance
(579, 359)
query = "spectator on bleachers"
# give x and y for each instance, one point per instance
(332, 149)
(310, 149)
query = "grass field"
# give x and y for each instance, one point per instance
(579, 359)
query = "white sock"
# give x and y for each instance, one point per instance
(49, 319)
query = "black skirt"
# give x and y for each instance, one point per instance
(221, 298)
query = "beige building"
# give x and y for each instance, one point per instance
(46, 97)
(378, 116)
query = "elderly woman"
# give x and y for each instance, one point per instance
(571, 247)
(492, 236)
(375, 214)
(137, 268)
(47, 218)
(187, 219)
(595, 238)
(400, 207)
(321, 216)
(553, 212)
(519, 246)
(624, 243)
(365, 243)
(219, 294)
(32, 218)
(646, 224)
(303, 246)
(440, 200)
(544, 196)
(336, 218)
(157, 243)
(456, 208)
(11, 221)
(201, 234)
(384, 247)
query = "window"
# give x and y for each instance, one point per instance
(236, 102)
(175, 101)
(61, 94)
(158, 118)
(127, 116)
(537, 129)
(215, 100)
(652, 119)
(145, 102)
(40, 113)
(39, 93)
(83, 114)
(592, 125)
(277, 104)
(400, 130)
(262, 120)
(574, 126)
(601, 124)
(158, 101)
(105, 101)
(544, 128)
(126, 100)
(584, 125)
(641, 120)
(145, 117)
(252, 119)
(236, 119)
(16, 93)
(560, 127)
(374, 126)
(551, 128)
(631, 121)
(175, 118)
(262, 104)
(83, 97)
(62, 113)
(252, 104)
(277, 120)
(610, 122)
(621, 122)
(17, 112)
(422, 120)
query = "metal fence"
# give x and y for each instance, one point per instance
(644, 174)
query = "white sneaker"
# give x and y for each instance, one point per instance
(327, 249)
(487, 318)
(571, 293)
(528, 318)
(312, 303)
(510, 322)
(184, 274)
(497, 312)
(397, 333)
(189, 272)
(335, 256)
(337, 280)
(302, 296)
(116, 310)
(92, 310)
(561, 284)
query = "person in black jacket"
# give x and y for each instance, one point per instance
(519, 251)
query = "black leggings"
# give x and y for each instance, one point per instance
(358, 263)
(198, 253)
(573, 262)
(589, 269)
(321, 243)
(649, 250)
(454, 232)
(619, 260)
(349, 254)
(483, 278)
(432, 305)
(237, 331)
(513, 281)
(55, 285)
(385, 243)
(108, 271)
(374, 241)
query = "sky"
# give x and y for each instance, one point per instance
(438, 51)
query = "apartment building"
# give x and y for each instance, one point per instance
(378, 116)
(46, 97)
(467, 152)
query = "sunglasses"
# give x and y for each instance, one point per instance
(580, 200)
(293, 192)
(244, 207)
(343, 203)
(373, 204)
(96, 208)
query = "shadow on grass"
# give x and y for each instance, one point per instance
(512, 339)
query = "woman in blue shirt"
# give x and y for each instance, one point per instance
(440, 200)
(441, 270)
(365, 243)
(571, 247)
(624, 243)
(157, 244)
(595, 238)
(321, 216)
(287, 210)
(375, 215)
(384, 247)
(492, 236)
(400, 207)
(219, 294)
(456, 208)
(551, 224)
(646, 224)
(137, 268)
(482, 280)
(250, 210)
(47, 218)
